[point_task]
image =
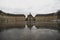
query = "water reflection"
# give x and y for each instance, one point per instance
(29, 34)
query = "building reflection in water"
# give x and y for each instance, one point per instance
(29, 34)
(31, 24)
(30, 30)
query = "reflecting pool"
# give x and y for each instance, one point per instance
(28, 33)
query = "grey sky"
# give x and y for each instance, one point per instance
(33, 6)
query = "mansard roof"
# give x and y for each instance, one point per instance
(46, 14)
(1, 11)
(9, 14)
(30, 15)
(58, 12)
(14, 14)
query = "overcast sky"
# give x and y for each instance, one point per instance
(27, 6)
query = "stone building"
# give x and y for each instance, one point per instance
(45, 17)
(30, 18)
(40, 20)
(46, 20)
(58, 14)
(7, 19)
(58, 19)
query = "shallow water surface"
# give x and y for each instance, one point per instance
(30, 34)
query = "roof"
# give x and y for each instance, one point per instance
(30, 15)
(58, 13)
(1, 11)
(14, 14)
(8, 14)
(46, 14)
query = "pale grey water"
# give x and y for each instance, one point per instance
(30, 34)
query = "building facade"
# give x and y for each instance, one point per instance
(7, 19)
(46, 20)
(58, 15)
(18, 20)
(45, 17)
(58, 19)
(30, 18)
